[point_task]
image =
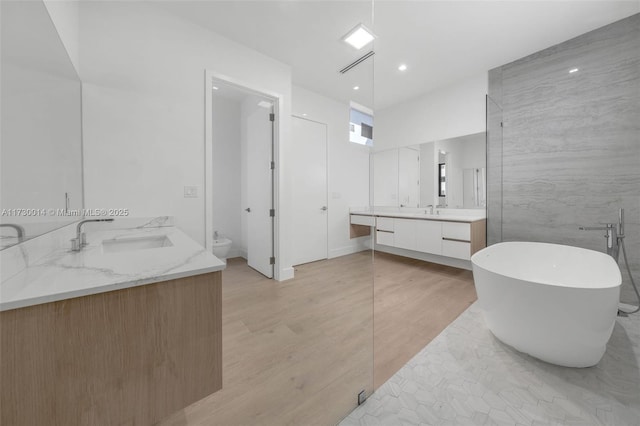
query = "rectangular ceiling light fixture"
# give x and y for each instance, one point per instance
(359, 37)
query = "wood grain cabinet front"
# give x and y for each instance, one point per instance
(124, 357)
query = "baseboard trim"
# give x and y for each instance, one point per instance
(285, 274)
(347, 250)
(235, 253)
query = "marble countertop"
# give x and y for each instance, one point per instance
(64, 274)
(445, 217)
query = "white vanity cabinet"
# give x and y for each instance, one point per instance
(429, 233)
(405, 234)
(418, 235)
(385, 233)
(451, 239)
(456, 240)
(358, 219)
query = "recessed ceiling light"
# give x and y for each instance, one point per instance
(356, 87)
(359, 37)
(304, 114)
(215, 88)
(402, 67)
(572, 70)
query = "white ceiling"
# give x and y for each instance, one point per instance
(440, 41)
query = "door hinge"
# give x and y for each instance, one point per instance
(273, 165)
(272, 212)
(501, 124)
(272, 260)
(272, 117)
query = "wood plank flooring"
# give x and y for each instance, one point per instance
(414, 302)
(297, 352)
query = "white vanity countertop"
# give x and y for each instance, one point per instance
(64, 274)
(446, 217)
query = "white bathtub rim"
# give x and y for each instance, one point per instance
(614, 277)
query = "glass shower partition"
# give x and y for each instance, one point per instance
(494, 171)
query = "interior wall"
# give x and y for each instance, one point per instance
(571, 142)
(348, 167)
(226, 203)
(448, 112)
(144, 114)
(385, 178)
(66, 18)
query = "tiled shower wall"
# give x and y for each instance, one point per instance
(568, 153)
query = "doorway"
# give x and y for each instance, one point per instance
(242, 173)
(310, 218)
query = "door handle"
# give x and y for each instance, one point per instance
(323, 208)
(248, 210)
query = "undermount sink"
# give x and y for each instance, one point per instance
(118, 245)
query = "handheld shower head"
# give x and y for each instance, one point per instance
(621, 223)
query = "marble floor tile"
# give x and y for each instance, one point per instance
(465, 376)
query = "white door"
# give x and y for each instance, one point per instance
(258, 127)
(309, 178)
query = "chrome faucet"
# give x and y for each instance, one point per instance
(613, 234)
(19, 230)
(81, 239)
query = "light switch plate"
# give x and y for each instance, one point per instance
(190, 192)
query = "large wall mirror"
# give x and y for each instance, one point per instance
(449, 173)
(41, 140)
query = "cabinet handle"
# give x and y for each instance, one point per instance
(455, 239)
(388, 232)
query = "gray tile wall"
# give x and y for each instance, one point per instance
(570, 148)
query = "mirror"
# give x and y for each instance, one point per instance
(449, 173)
(41, 141)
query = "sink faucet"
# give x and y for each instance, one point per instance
(80, 240)
(430, 207)
(19, 229)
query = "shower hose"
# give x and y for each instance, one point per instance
(635, 287)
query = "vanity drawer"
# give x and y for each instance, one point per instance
(384, 224)
(385, 238)
(357, 219)
(456, 231)
(457, 249)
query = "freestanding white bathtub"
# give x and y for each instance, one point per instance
(554, 302)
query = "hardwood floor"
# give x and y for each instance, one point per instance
(297, 352)
(414, 302)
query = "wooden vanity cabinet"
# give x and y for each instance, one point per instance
(124, 357)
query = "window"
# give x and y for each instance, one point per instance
(360, 127)
(442, 180)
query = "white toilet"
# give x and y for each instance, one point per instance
(221, 247)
